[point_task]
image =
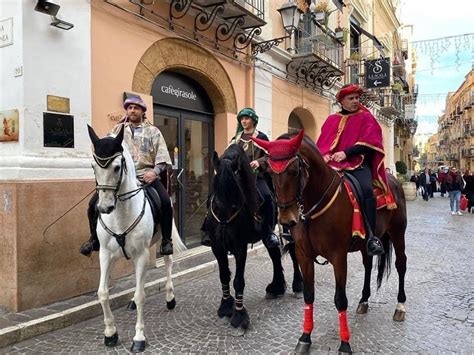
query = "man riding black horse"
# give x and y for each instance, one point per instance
(247, 121)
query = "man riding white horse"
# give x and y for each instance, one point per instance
(151, 157)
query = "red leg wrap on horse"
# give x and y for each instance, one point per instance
(308, 318)
(343, 327)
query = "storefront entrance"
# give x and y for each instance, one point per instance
(184, 114)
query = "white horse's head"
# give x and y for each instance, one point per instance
(109, 167)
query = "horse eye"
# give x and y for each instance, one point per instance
(117, 169)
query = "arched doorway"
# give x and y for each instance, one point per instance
(189, 121)
(184, 113)
(301, 118)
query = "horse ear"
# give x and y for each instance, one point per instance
(119, 136)
(92, 135)
(215, 160)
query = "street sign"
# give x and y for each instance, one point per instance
(377, 73)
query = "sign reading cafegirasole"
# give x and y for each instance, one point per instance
(377, 73)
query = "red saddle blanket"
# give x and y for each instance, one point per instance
(388, 201)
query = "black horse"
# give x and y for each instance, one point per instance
(232, 223)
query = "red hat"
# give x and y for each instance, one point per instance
(281, 151)
(349, 89)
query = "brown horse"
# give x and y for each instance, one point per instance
(313, 202)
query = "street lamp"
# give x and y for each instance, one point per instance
(290, 16)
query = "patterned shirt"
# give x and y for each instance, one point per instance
(146, 145)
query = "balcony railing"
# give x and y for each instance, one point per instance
(318, 56)
(312, 38)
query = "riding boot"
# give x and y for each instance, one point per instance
(92, 244)
(374, 245)
(205, 240)
(166, 247)
(271, 240)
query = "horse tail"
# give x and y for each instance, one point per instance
(384, 261)
(178, 245)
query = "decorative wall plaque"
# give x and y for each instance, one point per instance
(9, 126)
(58, 130)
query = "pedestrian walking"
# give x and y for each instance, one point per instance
(433, 181)
(442, 180)
(469, 190)
(454, 185)
(425, 183)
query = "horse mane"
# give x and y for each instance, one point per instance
(232, 187)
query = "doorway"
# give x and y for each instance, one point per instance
(184, 115)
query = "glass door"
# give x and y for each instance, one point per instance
(189, 138)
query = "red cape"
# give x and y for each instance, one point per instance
(341, 132)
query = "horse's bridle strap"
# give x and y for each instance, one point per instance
(231, 218)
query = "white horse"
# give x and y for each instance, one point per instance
(125, 229)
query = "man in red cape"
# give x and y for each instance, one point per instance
(351, 140)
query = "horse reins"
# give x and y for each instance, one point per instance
(302, 173)
(104, 163)
(120, 238)
(230, 219)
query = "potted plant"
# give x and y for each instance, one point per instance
(322, 12)
(397, 87)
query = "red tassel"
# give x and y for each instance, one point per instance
(308, 318)
(343, 327)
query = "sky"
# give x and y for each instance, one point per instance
(435, 19)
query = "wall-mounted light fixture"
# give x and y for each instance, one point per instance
(64, 25)
(290, 16)
(52, 9)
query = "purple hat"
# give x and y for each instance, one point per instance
(134, 100)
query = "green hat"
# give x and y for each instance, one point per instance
(247, 111)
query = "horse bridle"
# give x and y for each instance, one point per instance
(235, 214)
(302, 174)
(104, 163)
(298, 200)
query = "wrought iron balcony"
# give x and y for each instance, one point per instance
(391, 105)
(318, 56)
(229, 25)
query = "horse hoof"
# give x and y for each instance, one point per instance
(302, 348)
(240, 319)
(226, 309)
(171, 304)
(345, 348)
(298, 295)
(399, 316)
(138, 346)
(297, 286)
(272, 296)
(362, 308)
(111, 341)
(132, 306)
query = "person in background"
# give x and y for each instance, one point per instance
(454, 185)
(469, 190)
(433, 181)
(442, 181)
(425, 183)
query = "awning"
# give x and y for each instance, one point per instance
(374, 39)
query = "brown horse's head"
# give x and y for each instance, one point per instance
(288, 175)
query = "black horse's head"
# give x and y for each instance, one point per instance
(234, 182)
(109, 166)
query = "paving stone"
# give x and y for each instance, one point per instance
(439, 305)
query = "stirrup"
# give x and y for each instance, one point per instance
(374, 246)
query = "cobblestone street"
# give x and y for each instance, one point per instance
(440, 305)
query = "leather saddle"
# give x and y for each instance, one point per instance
(154, 199)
